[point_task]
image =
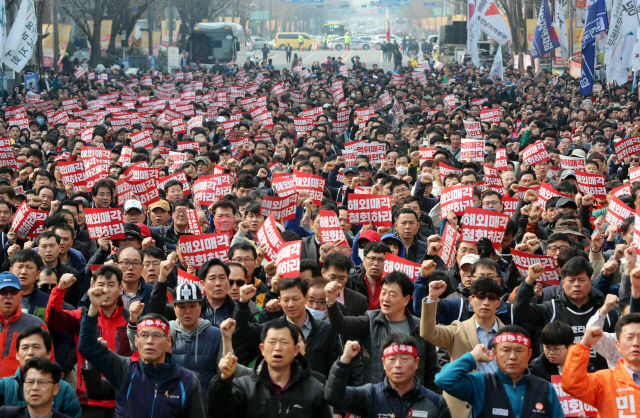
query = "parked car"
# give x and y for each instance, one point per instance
(381, 39)
(284, 38)
(356, 43)
(257, 43)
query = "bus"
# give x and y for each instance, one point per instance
(401, 26)
(220, 41)
(336, 29)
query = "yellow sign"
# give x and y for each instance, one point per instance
(64, 32)
(165, 32)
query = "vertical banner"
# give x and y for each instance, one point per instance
(288, 259)
(270, 239)
(448, 250)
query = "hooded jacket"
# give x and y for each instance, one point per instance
(402, 251)
(9, 330)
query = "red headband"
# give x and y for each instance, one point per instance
(153, 323)
(508, 337)
(394, 349)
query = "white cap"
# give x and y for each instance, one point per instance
(132, 204)
(221, 119)
(469, 259)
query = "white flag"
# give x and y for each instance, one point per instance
(22, 38)
(473, 33)
(559, 22)
(496, 68)
(625, 22)
(491, 22)
(3, 28)
(635, 56)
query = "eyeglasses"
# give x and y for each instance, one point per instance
(243, 260)
(154, 264)
(31, 383)
(238, 282)
(555, 248)
(556, 350)
(636, 120)
(127, 264)
(154, 336)
(47, 286)
(317, 303)
(375, 260)
(635, 160)
(401, 191)
(490, 203)
(9, 291)
(491, 296)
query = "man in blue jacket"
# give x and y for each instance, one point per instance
(515, 391)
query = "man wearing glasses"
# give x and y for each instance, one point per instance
(134, 288)
(179, 226)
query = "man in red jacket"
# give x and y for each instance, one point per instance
(112, 326)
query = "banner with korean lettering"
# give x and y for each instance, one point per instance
(145, 190)
(448, 250)
(105, 221)
(72, 172)
(444, 170)
(330, 229)
(546, 192)
(456, 198)
(501, 160)
(282, 208)
(472, 148)
(490, 115)
(523, 260)
(207, 188)
(472, 128)
(593, 184)
(364, 209)
(28, 222)
(426, 154)
(572, 163)
(123, 191)
(479, 223)
(141, 172)
(184, 277)
(617, 212)
(270, 239)
(394, 263)
(627, 147)
(492, 179)
(288, 259)
(450, 100)
(509, 205)
(310, 183)
(195, 250)
(622, 190)
(571, 406)
(181, 177)
(284, 184)
(194, 223)
(375, 152)
(535, 154)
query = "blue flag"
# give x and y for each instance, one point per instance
(544, 39)
(596, 22)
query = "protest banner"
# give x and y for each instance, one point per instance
(509, 205)
(394, 263)
(282, 208)
(310, 183)
(523, 260)
(28, 222)
(288, 259)
(194, 224)
(571, 406)
(181, 177)
(535, 154)
(449, 100)
(375, 152)
(448, 250)
(92, 152)
(593, 184)
(95, 170)
(195, 250)
(472, 148)
(634, 174)
(364, 209)
(284, 184)
(145, 190)
(123, 191)
(270, 239)
(330, 229)
(490, 115)
(426, 154)
(627, 147)
(501, 160)
(572, 163)
(622, 190)
(183, 145)
(546, 192)
(492, 179)
(184, 277)
(523, 190)
(207, 188)
(480, 223)
(303, 125)
(105, 221)
(456, 198)
(473, 129)
(72, 172)
(445, 170)
(141, 172)
(617, 212)
(636, 231)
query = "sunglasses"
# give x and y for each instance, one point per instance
(9, 290)
(238, 282)
(491, 296)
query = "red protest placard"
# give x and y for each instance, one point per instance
(622, 190)
(472, 128)
(570, 405)
(93, 152)
(445, 170)
(492, 179)
(105, 221)
(501, 159)
(627, 147)
(523, 190)
(183, 145)
(523, 260)
(270, 239)
(181, 177)
(591, 184)
(426, 154)
(636, 232)
(634, 175)
(490, 115)
(142, 139)
(145, 190)
(95, 169)
(207, 188)
(330, 229)
(195, 250)
(450, 100)
(617, 212)
(365, 208)
(375, 152)
(448, 250)
(509, 205)
(288, 259)
(141, 172)
(394, 263)
(72, 172)
(184, 277)
(123, 191)
(194, 224)
(303, 125)
(572, 163)
(472, 148)
(284, 184)
(546, 192)
(479, 223)
(282, 208)
(28, 222)
(310, 183)
(535, 154)
(456, 198)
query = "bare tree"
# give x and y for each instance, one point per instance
(195, 11)
(82, 13)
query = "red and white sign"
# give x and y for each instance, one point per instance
(270, 239)
(627, 147)
(365, 209)
(472, 148)
(509, 205)
(445, 170)
(535, 154)
(456, 198)
(523, 260)
(181, 177)
(622, 190)
(28, 222)
(501, 160)
(95, 169)
(546, 192)
(142, 139)
(571, 406)
(448, 250)
(492, 179)
(282, 208)
(523, 190)
(105, 221)
(288, 259)
(490, 115)
(145, 190)
(303, 125)
(634, 175)
(310, 183)
(184, 277)
(399, 80)
(572, 163)
(617, 212)
(592, 184)
(284, 184)
(72, 172)
(450, 100)
(375, 152)
(197, 249)
(330, 229)
(123, 191)
(394, 263)
(473, 129)
(207, 188)
(183, 145)
(479, 223)
(426, 154)
(194, 224)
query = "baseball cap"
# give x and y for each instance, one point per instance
(364, 165)
(566, 202)
(566, 174)
(203, 159)
(469, 259)
(132, 204)
(144, 230)
(5, 181)
(221, 119)
(226, 149)
(8, 279)
(351, 169)
(578, 153)
(188, 292)
(162, 204)
(370, 236)
(132, 231)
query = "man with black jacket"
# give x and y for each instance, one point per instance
(49, 250)
(371, 329)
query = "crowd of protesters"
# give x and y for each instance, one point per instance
(94, 326)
